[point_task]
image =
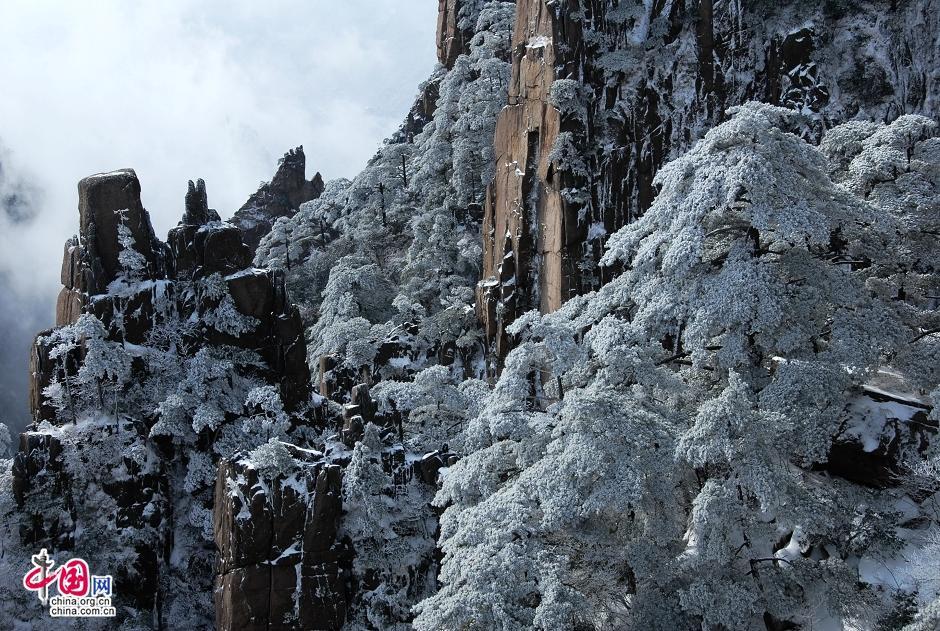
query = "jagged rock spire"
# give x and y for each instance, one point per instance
(281, 197)
(106, 201)
(197, 211)
(197, 204)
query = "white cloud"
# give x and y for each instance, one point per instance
(196, 88)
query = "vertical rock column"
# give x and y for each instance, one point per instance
(452, 41)
(528, 228)
(280, 566)
(91, 261)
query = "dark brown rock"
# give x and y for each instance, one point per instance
(202, 250)
(281, 197)
(186, 258)
(884, 431)
(452, 41)
(290, 361)
(38, 453)
(322, 587)
(197, 212)
(246, 540)
(353, 428)
(136, 311)
(224, 252)
(69, 305)
(38, 478)
(279, 561)
(195, 251)
(320, 532)
(71, 264)
(242, 597)
(105, 201)
(421, 112)
(428, 468)
(360, 397)
(336, 379)
(253, 292)
(42, 489)
(41, 372)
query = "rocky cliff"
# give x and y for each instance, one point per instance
(281, 197)
(177, 441)
(280, 565)
(602, 94)
(162, 352)
(97, 280)
(455, 29)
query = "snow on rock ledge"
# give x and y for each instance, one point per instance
(277, 512)
(882, 432)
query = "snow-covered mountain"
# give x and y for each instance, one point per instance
(632, 325)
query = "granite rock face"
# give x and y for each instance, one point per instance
(281, 197)
(603, 95)
(181, 288)
(280, 565)
(452, 40)
(106, 202)
(283, 553)
(199, 247)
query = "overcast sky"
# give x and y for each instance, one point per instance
(181, 89)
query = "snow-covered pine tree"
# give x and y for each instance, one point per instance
(896, 167)
(390, 527)
(92, 371)
(133, 263)
(653, 455)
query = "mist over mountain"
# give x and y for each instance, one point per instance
(179, 91)
(23, 311)
(632, 323)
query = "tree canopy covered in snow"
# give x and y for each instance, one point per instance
(735, 429)
(654, 454)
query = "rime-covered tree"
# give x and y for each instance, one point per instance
(133, 263)
(896, 168)
(266, 413)
(674, 419)
(93, 371)
(413, 213)
(435, 406)
(387, 523)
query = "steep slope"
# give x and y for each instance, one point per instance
(175, 363)
(603, 93)
(384, 266)
(733, 394)
(166, 358)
